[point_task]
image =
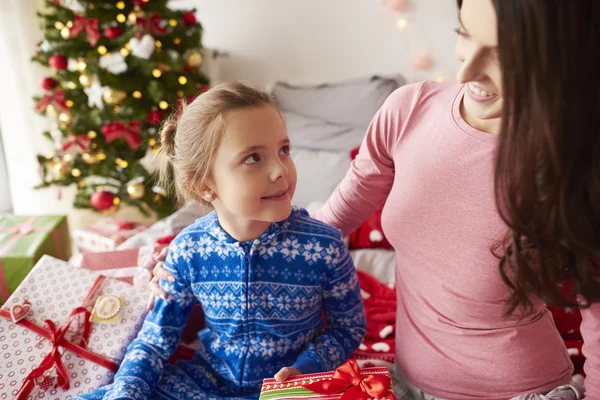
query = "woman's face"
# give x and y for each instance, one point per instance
(477, 49)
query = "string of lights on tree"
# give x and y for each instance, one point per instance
(420, 60)
(117, 69)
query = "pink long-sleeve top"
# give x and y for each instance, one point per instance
(434, 173)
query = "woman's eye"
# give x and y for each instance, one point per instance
(252, 158)
(285, 151)
(460, 32)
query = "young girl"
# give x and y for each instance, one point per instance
(263, 271)
(491, 189)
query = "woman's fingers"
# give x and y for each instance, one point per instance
(160, 272)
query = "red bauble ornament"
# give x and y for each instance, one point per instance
(155, 117)
(58, 62)
(189, 18)
(49, 83)
(102, 200)
(113, 32)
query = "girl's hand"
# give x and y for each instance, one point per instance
(159, 272)
(285, 373)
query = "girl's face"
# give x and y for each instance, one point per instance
(254, 177)
(477, 49)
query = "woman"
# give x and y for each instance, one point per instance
(492, 201)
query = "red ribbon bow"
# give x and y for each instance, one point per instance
(81, 141)
(130, 132)
(56, 99)
(348, 379)
(89, 25)
(57, 339)
(150, 25)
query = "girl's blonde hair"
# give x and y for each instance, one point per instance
(190, 138)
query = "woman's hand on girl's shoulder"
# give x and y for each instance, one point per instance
(159, 272)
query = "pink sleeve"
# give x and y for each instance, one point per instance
(369, 181)
(590, 330)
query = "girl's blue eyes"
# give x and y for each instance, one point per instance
(254, 157)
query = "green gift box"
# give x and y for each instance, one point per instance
(23, 241)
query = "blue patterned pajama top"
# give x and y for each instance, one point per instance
(264, 302)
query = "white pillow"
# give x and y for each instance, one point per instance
(319, 172)
(380, 263)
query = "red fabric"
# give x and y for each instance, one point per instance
(568, 321)
(370, 234)
(377, 347)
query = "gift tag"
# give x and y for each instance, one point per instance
(20, 311)
(107, 309)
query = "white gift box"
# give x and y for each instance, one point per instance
(54, 290)
(106, 234)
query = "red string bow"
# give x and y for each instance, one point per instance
(56, 99)
(90, 26)
(348, 379)
(130, 132)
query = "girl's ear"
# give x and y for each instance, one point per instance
(207, 193)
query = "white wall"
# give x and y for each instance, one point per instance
(301, 41)
(323, 40)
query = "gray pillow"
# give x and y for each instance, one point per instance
(351, 103)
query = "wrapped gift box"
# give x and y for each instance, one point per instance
(23, 240)
(106, 234)
(61, 299)
(348, 382)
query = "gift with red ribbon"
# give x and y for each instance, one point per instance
(348, 382)
(87, 25)
(130, 132)
(52, 345)
(23, 241)
(106, 234)
(150, 26)
(76, 143)
(56, 99)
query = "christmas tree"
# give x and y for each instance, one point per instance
(117, 69)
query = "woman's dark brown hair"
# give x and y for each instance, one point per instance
(547, 175)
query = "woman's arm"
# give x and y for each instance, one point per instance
(367, 184)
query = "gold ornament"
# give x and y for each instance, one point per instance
(163, 105)
(67, 158)
(69, 103)
(76, 172)
(58, 169)
(124, 52)
(156, 73)
(109, 212)
(137, 94)
(182, 80)
(85, 80)
(70, 24)
(65, 32)
(114, 97)
(65, 118)
(120, 5)
(102, 50)
(121, 18)
(133, 16)
(71, 85)
(92, 134)
(173, 22)
(90, 158)
(59, 25)
(50, 110)
(194, 58)
(135, 190)
(80, 65)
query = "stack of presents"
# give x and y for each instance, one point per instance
(66, 320)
